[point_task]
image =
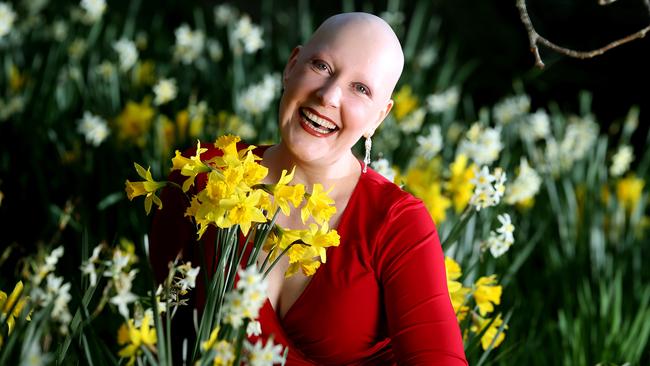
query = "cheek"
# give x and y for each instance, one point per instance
(359, 116)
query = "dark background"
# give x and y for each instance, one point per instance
(492, 33)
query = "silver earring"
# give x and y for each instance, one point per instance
(366, 159)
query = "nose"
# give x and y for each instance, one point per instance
(329, 94)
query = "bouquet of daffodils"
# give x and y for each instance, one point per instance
(243, 210)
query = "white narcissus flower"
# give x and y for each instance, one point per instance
(165, 91)
(94, 9)
(538, 126)
(234, 309)
(88, 267)
(124, 296)
(263, 355)
(189, 276)
(489, 188)
(413, 121)
(511, 108)
(58, 294)
(525, 186)
(444, 101)
(500, 241)
(245, 301)
(383, 167)
(224, 353)
(507, 229)
(430, 145)
(621, 161)
(7, 18)
(94, 128)
(580, 135)
(496, 246)
(50, 262)
(257, 98)
(127, 53)
(224, 14)
(214, 50)
(254, 328)
(189, 44)
(482, 144)
(247, 35)
(482, 178)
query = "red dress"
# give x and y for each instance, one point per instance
(381, 298)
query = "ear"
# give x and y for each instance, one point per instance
(293, 58)
(382, 116)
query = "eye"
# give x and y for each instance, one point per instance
(320, 65)
(362, 89)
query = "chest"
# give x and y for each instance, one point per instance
(340, 308)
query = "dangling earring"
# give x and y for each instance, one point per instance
(366, 159)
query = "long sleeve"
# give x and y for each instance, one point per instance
(171, 232)
(421, 321)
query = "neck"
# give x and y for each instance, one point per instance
(337, 174)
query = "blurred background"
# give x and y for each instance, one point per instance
(85, 93)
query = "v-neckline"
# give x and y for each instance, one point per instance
(342, 218)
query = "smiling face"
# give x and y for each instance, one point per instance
(338, 87)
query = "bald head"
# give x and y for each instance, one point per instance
(369, 30)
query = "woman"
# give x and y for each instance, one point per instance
(381, 298)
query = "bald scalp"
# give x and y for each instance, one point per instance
(364, 26)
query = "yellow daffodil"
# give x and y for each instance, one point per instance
(319, 205)
(148, 187)
(283, 193)
(206, 214)
(405, 102)
(167, 135)
(436, 202)
(217, 188)
(190, 167)
(629, 191)
(279, 240)
(11, 306)
(320, 239)
(254, 173)
(242, 209)
(188, 124)
(212, 340)
(457, 293)
(134, 338)
(491, 333)
(227, 144)
(16, 79)
(302, 257)
(526, 204)
(233, 176)
(135, 121)
(145, 73)
(459, 185)
(487, 294)
(182, 123)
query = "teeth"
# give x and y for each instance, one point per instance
(319, 129)
(323, 122)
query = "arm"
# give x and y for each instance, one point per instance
(421, 321)
(171, 232)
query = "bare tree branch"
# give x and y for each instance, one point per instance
(534, 39)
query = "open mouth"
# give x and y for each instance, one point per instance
(316, 123)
